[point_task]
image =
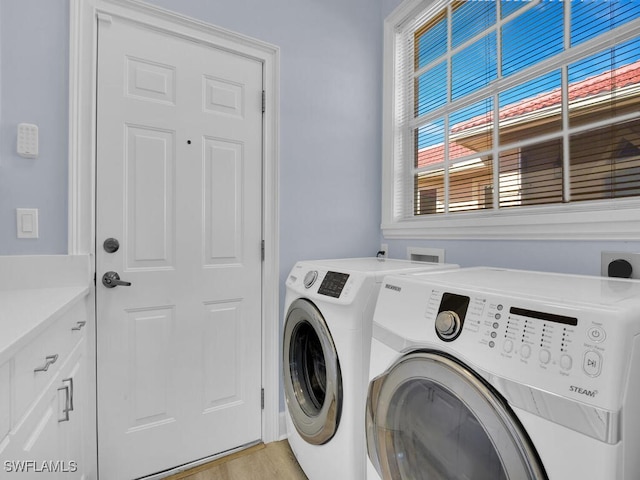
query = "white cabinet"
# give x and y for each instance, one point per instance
(5, 400)
(47, 392)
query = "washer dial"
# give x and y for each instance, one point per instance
(448, 325)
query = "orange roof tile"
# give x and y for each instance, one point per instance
(601, 83)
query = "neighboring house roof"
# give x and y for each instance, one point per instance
(605, 82)
(602, 83)
(435, 154)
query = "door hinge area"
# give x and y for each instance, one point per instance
(264, 101)
(262, 398)
(262, 250)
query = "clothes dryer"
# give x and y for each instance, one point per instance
(327, 336)
(499, 374)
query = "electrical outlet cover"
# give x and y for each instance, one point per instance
(632, 258)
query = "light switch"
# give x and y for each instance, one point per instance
(27, 222)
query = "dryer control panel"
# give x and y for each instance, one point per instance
(333, 284)
(335, 287)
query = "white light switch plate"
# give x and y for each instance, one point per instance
(27, 222)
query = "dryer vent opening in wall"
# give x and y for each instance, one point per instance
(421, 254)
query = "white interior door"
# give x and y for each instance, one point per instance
(179, 176)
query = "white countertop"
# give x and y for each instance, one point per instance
(24, 313)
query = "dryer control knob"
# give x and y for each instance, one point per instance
(310, 278)
(448, 324)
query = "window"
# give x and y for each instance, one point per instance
(512, 119)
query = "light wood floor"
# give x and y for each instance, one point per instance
(273, 461)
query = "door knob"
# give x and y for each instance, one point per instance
(112, 279)
(111, 245)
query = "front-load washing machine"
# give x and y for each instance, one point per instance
(327, 335)
(492, 374)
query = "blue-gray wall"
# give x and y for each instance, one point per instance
(551, 256)
(34, 63)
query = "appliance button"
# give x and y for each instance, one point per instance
(566, 362)
(507, 346)
(592, 364)
(544, 356)
(596, 334)
(525, 351)
(310, 278)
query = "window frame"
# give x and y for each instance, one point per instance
(612, 219)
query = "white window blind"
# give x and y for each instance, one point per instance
(503, 109)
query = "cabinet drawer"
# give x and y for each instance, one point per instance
(36, 365)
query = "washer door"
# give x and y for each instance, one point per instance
(430, 417)
(312, 379)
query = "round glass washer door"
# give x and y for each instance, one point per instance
(312, 378)
(430, 417)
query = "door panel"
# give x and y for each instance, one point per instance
(222, 327)
(150, 337)
(223, 202)
(179, 175)
(150, 167)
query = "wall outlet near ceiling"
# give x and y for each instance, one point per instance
(620, 264)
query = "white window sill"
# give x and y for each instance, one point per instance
(613, 220)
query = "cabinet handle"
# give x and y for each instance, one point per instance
(79, 325)
(49, 360)
(66, 409)
(70, 380)
(68, 402)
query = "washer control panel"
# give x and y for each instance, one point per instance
(523, 332)
(531, 343)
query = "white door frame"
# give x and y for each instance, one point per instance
(82, 160)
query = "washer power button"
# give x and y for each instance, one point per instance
(596, 334)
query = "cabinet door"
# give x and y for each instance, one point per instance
(35, 450)
(50, 439)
